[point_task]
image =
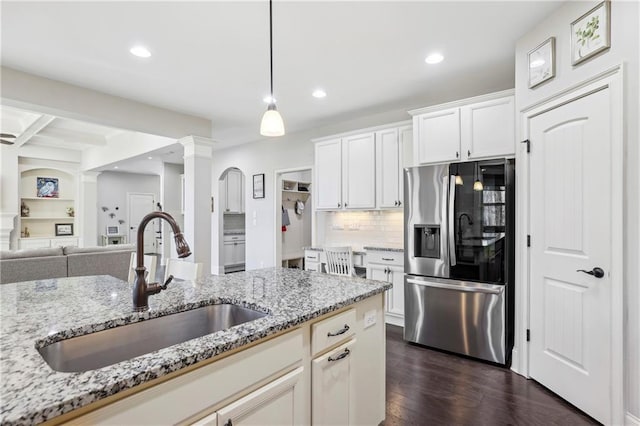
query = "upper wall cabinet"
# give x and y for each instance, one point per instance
(234, 191)
(470, 129)
(362, 171)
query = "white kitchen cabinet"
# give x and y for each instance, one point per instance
(389, 266)
(465, 130)
(234, 191)
(234, 252)
(438, 136)
(272, 404)
(488, 128)
(332, 387)
(391, 145)
(328, 170)
(359, 171)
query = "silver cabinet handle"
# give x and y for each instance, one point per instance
(388, 259)
(339, 205)
(339, 332)
(451, 223)
(343, 355)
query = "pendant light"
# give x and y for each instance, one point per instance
(459, 180)
(272, 124)
(477, 185)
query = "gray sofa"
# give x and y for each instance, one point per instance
(39, 264)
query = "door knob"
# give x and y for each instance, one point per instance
(596, 272)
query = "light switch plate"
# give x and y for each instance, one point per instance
(369, 318)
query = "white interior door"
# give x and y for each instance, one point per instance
(141, 205)
(570, 225)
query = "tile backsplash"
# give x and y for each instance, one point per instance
(364, 228)
(233, 222)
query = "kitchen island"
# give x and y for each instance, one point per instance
(303, 308)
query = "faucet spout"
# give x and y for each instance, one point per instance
(141, 289)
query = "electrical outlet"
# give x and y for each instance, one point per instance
(370, 318)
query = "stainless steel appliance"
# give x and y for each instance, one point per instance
(459, 258)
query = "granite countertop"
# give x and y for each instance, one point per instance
(36, 313)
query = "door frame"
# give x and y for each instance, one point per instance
(277, 203)
(611, 79)
(129, 194)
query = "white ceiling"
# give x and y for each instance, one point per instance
(210, 59)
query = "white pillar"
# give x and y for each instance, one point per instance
(9, 202)
(88, 209)
(198, 153)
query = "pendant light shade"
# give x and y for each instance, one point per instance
(478, 186)
(272, 124)
(459, 180)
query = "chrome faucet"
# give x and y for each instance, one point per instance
(469, 220)
(141, 289)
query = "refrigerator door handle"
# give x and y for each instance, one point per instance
(474, 288)
(451, 221)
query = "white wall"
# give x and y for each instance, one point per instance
(171, 203)
(625, 18)
(112, 193)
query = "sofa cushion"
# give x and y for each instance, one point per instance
(99, 249)
(108, 262)
(39, 252)
(32, 268)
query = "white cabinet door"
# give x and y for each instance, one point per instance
(228, 254)
(405, 137)
(33, 243)
(238, 252)
(328, 175)
(388, 169)
(272, 404)
(488, 129)
(395, 296)
(438, 136)
(359, 171)
(234, 192)
(332, 387)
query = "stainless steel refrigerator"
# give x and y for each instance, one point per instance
(459, 257)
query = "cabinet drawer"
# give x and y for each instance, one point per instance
(312, 266)
(386, 257)
(332, 331)
(233, 238)
(311, 256)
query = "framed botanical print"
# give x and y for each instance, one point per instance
(258, 186)
(591, 33)
(542, 62)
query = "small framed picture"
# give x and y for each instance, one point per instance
(591, 33)
(64, 229)
(47, 187)
(542, 62)
(258, 186)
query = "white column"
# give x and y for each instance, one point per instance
(88, 209)
(9, 195)
(198, 153)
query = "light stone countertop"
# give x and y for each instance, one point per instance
(36, 313)
(364, 249)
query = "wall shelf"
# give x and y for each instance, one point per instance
(47, 199)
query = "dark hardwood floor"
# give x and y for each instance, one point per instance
(428, 387)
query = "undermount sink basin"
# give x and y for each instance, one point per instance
(114, 345)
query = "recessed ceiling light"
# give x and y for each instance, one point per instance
(268, 99)
(434, 58)
(115, 167)
(536, 63)
(149, 158)
(319, 93)
(140, 51)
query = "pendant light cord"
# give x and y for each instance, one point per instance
(271, 47)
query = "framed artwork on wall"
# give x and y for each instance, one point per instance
(258, 186)
(591, 33)
(64, 229)
(47, 187)
(542, 62)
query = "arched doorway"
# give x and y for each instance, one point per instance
(231, 200)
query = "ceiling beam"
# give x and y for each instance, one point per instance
(33, 129)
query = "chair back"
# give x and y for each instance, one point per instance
(339, 260)
(182, 270)
(150, 262)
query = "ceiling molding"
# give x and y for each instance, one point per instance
(33, 129)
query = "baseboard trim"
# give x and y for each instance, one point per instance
(631, 420)
(393, 320)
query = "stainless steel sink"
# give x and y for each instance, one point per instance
(118, 344)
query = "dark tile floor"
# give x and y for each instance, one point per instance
(428, 387)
